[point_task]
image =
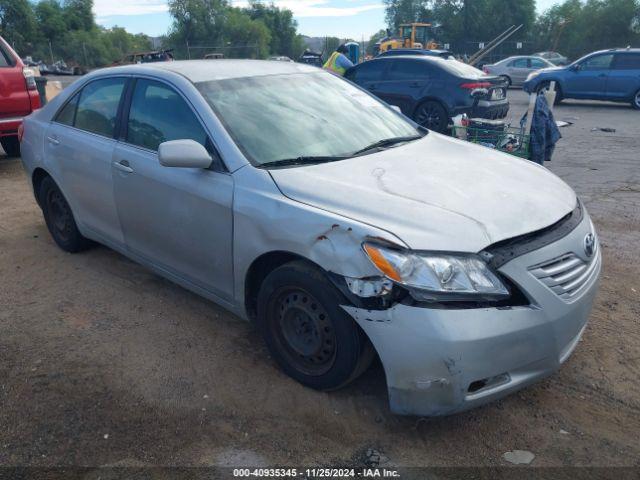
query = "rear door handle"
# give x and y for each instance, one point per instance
(53, 140)
(123, 165)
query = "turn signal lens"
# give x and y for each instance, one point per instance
(382, 263)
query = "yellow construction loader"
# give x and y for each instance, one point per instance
(412, 35)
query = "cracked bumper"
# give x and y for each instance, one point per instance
(443, 361)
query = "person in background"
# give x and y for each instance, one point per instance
(338, 62)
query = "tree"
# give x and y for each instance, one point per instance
(375, 38)
(17, 23)
(576, 27)
(406, 11)
(51, 19)
(459, 21)
(78, 14)
(197, 22)
(282, 27)
(247, 38)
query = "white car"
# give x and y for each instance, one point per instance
(341, 228)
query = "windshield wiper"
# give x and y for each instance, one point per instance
(387, 142)
(308, 160)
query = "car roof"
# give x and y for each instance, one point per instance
(203, 71)
(418, 51)
(417, 58)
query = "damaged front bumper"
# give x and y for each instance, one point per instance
(440, 361)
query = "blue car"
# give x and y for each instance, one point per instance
(612, 75)
(432, 90)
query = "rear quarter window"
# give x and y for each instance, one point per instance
(96, 107)
(627, 61)
(5, 59)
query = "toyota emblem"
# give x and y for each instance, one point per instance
(590, 244)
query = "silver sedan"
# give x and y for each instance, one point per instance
(339, 227)
(515, 70)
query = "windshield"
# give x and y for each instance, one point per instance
(280, 117)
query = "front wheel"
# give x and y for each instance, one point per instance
(432, 115)
(635, 103)
(307, 332)
(11, 146)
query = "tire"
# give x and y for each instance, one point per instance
(432, 115)
(507, 79)
(310, 336)
(11, 146)
(635, 101)
(59, 218)
(546, 85)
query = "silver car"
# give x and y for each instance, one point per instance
(338, 226)
(554, 57)
(515, 70)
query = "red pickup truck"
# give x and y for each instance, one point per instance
(18, 97)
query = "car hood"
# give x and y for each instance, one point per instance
(437, 193)
(551, 69)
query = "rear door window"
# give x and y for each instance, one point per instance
(97, 109)
(409, 70)
(159, 114)
(520, 63)
(371, 71)
(627, 61)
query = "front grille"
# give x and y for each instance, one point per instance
(568, 274)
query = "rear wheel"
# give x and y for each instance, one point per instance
(432, 115)
(59, 218)
(635, 103)
(307, 332)
(506, 79)
(546, 86)
(11, 146)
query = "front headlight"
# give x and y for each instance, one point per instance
(532, 75)
(436, 276)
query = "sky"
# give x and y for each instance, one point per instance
(340, 18)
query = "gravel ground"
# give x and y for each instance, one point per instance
(104, 363)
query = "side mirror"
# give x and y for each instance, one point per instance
(576, 67)
(183, 154)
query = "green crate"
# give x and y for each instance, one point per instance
(510, 140)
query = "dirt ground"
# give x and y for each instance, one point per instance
(104, 363)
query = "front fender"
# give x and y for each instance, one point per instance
(266, 221)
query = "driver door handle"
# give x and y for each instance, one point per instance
(123, 165)
(53, 140)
